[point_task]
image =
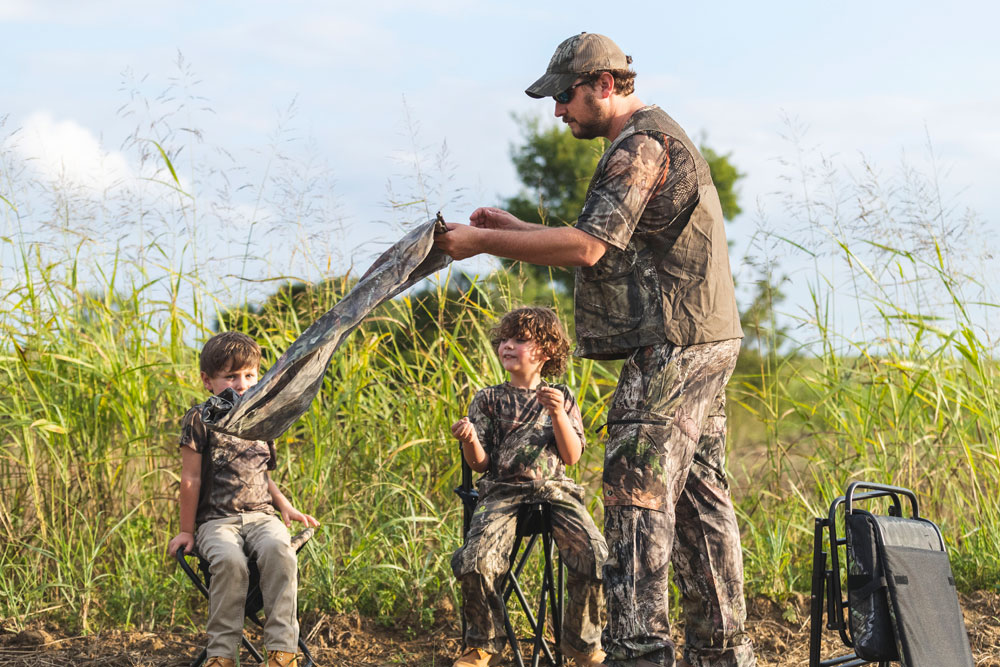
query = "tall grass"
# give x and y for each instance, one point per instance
(98, 366)
(891, 374)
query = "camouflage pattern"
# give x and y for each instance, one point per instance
(484, 558)
(665, 276)
(516, 432)
(667, 501)
(233, 470)
(271, 406)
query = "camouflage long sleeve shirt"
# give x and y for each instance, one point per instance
(516, 432)
(233, 470)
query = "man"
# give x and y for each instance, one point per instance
(653, 286)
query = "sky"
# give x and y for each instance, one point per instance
(359, 90)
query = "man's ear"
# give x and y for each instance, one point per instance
(606, 85)
(205, 378)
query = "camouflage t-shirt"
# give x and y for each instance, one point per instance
(515, 429)
(647, 183)
(233, 470)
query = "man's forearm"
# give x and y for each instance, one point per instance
(561, 246)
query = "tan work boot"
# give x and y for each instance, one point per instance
(477, 657)
(593, 659)
(282, 659)
(217, 661)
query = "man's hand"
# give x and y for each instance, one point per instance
(289, 514)
(460, 242)
(551, 399)
(464, 431)
(182, 539)
(488, 217)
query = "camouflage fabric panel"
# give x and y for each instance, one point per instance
(233, 473)
(516, 432)
(656, 419)
(285, 392)
(642, 186)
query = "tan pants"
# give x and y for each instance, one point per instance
(227, 544)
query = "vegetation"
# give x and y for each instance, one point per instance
(97, 367)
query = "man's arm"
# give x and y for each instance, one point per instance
(548, 246)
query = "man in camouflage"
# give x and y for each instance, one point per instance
(654, 287)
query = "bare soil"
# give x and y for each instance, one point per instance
(780, 633)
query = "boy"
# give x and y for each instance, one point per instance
(522, 434)
(228, 495)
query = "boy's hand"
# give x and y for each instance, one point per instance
(290, 514)
(464, 430)
(551, 399)
(185, 540)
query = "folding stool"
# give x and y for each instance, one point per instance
(901, 601)
(534, 520)
(255, 599)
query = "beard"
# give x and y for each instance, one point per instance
(597, 123)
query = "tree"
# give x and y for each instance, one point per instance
(725, 176)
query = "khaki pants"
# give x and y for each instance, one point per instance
(227, 544)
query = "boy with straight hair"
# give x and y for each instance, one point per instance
(229, 506)
(522, 434)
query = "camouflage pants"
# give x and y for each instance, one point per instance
(480, 563)
(667, 501)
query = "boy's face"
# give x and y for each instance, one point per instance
(519, 355)
(240, 379)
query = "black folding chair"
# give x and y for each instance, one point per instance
(255, 599)
(901, 605)
(534, 521)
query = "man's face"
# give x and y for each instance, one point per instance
(240, 379)
(585, 114)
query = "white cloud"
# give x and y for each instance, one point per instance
(65, 151)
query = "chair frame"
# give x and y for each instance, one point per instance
(534, 520)
(254, 601)
(826, 582)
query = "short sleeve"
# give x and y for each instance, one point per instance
(632, 173)
(194, 434)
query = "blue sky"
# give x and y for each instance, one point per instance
(860, 80)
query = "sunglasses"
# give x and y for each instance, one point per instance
(566, 96)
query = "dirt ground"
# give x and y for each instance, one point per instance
(781, 636)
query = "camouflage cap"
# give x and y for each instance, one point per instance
(586, 52)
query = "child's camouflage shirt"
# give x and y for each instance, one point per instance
(516, 432)
(233, 470)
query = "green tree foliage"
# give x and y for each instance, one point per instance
(725, 175)
(555, 168)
